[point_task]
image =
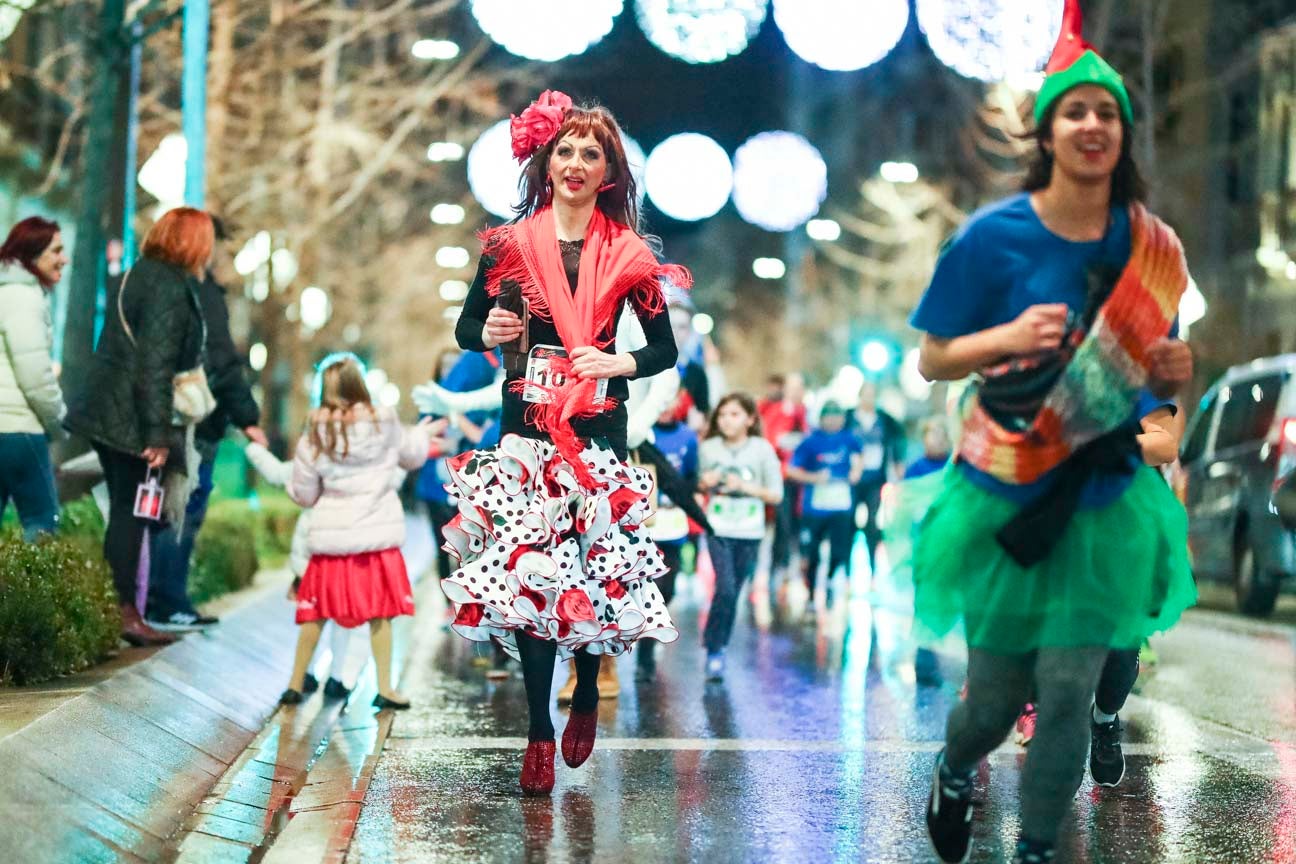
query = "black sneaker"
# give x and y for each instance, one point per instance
(949, 818)
(335, 689)
(176, 622)
(1106, 758)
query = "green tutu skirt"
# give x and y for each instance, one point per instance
(1117, 575)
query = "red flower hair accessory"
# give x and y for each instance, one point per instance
(538, 124)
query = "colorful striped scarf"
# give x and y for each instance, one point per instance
(1100, 386)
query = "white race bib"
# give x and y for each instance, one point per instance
(671, 525)
(872, 457)
(831, 497)
(733, 516)
(541, 372)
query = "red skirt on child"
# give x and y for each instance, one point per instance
(352, 589)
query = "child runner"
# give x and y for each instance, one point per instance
(344, 468)
(1049, 541)
(828, 464)
(741, 473)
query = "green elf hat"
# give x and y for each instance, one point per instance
(1075, 62)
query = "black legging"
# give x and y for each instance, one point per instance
(1119, 673)
(538, 656)
(870, 495)
(123, 474)
(839, 529)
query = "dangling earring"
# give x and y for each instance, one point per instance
(606, 186)
(548, 189)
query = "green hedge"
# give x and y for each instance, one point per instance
(58, 609)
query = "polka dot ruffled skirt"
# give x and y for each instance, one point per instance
(537, 553)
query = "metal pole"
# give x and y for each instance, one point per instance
(193, 99)
(132, 148)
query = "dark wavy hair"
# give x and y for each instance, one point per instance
(26, 242)
(1127, 184)
(621, 202)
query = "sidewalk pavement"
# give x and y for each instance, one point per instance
(118, 772)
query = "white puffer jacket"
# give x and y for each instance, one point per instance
(30, 398)
(356, 508)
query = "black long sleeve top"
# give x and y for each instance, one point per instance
(657, 356)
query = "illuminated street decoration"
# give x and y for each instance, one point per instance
(10, 14)
(493, 173)
(992, 40)
(841, 35)
(779, 180)
(546, 29)
(700, 31)
(689, 177)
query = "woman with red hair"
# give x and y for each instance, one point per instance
(127, 405)
(553, 556)
(31, 405)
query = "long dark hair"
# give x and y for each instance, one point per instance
(621, 202)
(26, 242)
(1127, 184)
(747, 403)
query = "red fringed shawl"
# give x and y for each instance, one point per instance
(615, 265)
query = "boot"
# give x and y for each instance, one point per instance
(565, 694)
(609, 686)
(578, 737)
(538, 768)
(139, 634)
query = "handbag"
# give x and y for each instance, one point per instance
(191, 398)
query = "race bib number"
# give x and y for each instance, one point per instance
(544, 372)
(736, 517)
(831, 497)
(871, 456)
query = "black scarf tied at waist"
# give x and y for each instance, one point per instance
(1030, 536)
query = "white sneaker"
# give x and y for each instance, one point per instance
(715, 667)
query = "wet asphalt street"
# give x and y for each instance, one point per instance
(818, 747)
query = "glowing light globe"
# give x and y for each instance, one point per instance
(779, 181)
(493, 173)
(689, 177)
(991, 40)
(841, 35)
(546, 29)
(700, 31)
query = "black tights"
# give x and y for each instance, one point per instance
(538, 656)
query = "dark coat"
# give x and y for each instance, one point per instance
(226, 373)
(125, 399)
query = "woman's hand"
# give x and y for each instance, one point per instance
(1039, 328)
(156, 457)
(590, 362)
(1170, 365)
(501, 326)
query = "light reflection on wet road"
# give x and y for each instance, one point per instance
(818, 747)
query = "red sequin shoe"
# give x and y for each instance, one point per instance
(538, 768)
(578, 737)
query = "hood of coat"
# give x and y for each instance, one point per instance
(16, 274)
(369, 441)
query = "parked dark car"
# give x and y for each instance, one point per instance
(1239, 446)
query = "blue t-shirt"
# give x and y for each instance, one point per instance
(1002, 261)
(923, 466)
(832, 452)
(679, 444)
